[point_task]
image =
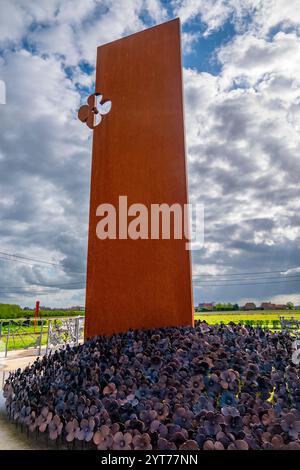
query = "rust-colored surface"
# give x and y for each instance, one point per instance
(139, 151)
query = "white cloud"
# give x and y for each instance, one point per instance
(244, 147)
(250, 59)
(58, 39)
(214, 13)
(276, 13)
(73, 28)
(17, 16)
(44, 150)
(261, 16)
(188, 41)
(41, 143)
(155, 9)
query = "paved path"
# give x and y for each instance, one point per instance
(11, 437)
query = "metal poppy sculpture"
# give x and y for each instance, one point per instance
(212, 387)
(92, 112)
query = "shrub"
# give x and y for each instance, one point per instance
(10, 311)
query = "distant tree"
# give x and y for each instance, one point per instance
(10, 311)
(290, 305)
(225, 307)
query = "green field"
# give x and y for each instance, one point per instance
(22, 335)
(23, 338)
(24, 342)
(264, 318)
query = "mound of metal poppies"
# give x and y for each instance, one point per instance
(208, 387)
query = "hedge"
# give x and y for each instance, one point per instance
(15, 311)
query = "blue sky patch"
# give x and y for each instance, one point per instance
(203, 54)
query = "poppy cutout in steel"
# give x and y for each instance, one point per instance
(92, 112)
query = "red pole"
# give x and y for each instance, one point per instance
(37, 309)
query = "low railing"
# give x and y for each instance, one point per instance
(292, 325)
(40, 336)
(51, 333)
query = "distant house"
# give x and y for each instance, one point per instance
(271, 306)
(206, 306)
(267, 306)
(249, 306)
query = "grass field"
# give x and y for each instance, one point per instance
(266, 317)
(20, 342)
(23, 336)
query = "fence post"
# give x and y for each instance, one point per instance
(36, 314)
(7, 338)
(41, 336)
(48, 335)
(77, 331)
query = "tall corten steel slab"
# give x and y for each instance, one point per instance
(139, 151)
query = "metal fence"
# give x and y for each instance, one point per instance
(292, 325)
(39, 336)
(47, 334)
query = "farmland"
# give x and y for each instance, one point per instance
(22, 334)
(24, 337)
(265, 318)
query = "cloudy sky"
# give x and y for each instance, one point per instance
(242, 97)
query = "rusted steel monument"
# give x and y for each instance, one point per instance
(138, 152)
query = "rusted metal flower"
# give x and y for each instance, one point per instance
(44, 419)
(103, 438)
(71, 429)
(142, 442)
(110, 392)
(55, 427)
(122, 441)
(92, 112)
